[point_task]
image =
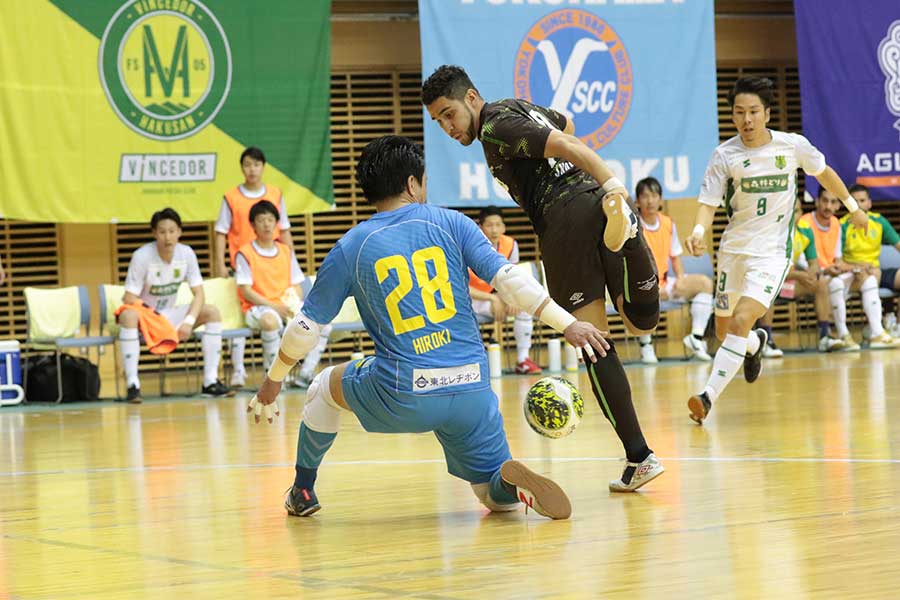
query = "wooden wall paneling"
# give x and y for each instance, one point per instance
(32, 258)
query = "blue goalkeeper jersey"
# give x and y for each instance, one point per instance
(407, 269)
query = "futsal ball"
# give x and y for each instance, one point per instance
(553, 407)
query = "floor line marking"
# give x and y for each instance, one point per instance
(429, 461)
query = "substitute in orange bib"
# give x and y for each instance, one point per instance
(662, 238)
(268, 278)
(233, 227)
(486, 302)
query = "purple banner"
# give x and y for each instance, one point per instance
(849, 54)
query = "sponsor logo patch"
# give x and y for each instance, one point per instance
(765, 183)
(432, 379)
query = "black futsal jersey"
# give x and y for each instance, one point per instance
(513, 134)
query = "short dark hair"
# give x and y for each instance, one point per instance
(262, 207)
(858, 187)
(385, 165)
(254, 153)
(650, 184)
(489, 211)
(449, 81)
(162, 215)
(761, 86)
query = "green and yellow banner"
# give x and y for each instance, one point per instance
(111, 109)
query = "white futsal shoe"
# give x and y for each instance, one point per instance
(637, 474)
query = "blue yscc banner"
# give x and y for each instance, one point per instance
(638, 80)
(850, 89)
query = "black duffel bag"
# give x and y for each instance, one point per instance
(80, 379)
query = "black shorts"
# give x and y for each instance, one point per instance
(888, 277)
(578, 266)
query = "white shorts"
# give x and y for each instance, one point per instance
(755, 277)
(669, 288)
(482, 307)
(253, 317)
(175, 314)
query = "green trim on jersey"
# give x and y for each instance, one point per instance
(889, 235)
(496, 142)
(790, 238)
(810, 251)
(729, 194)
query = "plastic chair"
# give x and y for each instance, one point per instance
(347, 322)
(60, 318)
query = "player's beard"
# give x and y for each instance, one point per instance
(470, 132)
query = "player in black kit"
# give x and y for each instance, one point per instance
(590, 238)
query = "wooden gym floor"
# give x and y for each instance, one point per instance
(791, 490)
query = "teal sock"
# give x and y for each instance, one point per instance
(502, 492)
(311, 449)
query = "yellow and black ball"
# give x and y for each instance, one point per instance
(553, 407)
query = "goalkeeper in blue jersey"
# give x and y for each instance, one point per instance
(407, 267)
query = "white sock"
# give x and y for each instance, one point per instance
(701, 310)
(752, 342)
(645, 339)
(838, 306)
(726, 364)
(270, 343)
(212, 350)
(130, 346)
(237, 355)
(522, 329)
(872, 305)
(311, 360)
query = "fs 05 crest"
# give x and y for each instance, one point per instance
(165, 66)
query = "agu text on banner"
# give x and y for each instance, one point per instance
(637, 79)
(850, 89)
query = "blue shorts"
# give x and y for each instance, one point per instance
(887, 278)
(469, 426)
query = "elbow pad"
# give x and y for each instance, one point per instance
(519, 288)
(301, 336)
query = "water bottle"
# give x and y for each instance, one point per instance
(494, 360)
(571, 358)
(554, 352)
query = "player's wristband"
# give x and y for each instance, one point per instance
(556, 317)
(611, 184)
(851, 204)
(189, 320)
(698, 231)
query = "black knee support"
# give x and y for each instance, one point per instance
(643, 315)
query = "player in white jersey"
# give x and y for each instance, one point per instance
(154, 275)
(754, 175)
